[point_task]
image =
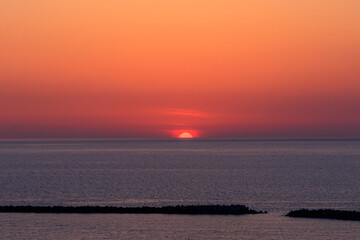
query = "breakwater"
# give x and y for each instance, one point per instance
(325, 213)
(179, 209)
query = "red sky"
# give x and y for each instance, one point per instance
(156, 68)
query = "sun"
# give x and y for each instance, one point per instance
(185, 135)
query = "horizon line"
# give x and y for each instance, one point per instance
(181, 139)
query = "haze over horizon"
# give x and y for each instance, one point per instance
(155, 69)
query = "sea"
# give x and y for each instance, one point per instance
(273, 175)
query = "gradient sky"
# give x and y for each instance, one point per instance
(157, 68)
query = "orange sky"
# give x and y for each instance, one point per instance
(156, 68)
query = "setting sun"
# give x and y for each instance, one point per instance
(185, 135)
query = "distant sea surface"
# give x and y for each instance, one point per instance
(272, 175)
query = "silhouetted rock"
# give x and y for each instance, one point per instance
(325, 213)
(191, 209)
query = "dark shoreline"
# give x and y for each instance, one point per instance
(190, 209)
(325, 213)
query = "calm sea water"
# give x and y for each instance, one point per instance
(276, 176)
